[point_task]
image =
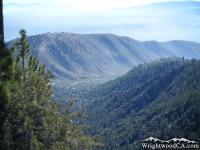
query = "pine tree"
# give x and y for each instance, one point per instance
(7, 79)
(6, 71)
(23, 47)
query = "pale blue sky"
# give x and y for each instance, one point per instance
(97, 3)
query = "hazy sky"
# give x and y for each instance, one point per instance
(98, 3)
(82, 16)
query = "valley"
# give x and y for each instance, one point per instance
(106, 79)
(64, 89)
(130, 89)
(160, 99)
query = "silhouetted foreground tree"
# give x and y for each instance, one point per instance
(7, 70)
(31, 120)
(1, 20)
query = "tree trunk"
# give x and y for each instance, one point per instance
(1, 20)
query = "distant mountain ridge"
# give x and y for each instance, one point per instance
(22, 5)
(75, 56)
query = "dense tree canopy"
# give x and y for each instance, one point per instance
(160, 99)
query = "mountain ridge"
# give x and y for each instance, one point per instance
(73, 56)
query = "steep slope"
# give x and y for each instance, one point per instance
(93, 55)
(75, 56)
(160, 99)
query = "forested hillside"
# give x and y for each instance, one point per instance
(160, 99)
(29, 117)
(74, 56)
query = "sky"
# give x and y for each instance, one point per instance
(97, 3)
(83, 17)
